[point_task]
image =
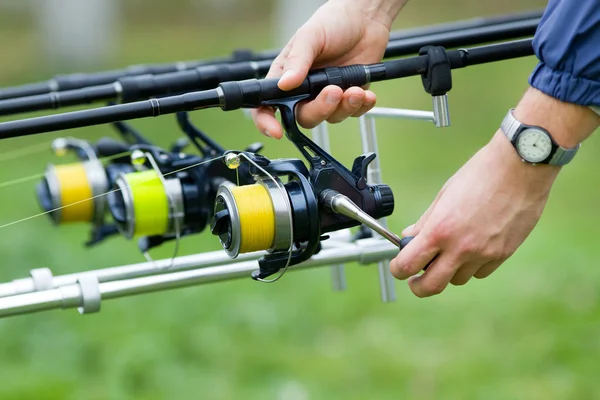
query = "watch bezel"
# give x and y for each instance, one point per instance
(521, 130)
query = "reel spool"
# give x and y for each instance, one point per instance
(147, 203)
(256, 218)
(73, 185)
(73, 193)
(172, 193)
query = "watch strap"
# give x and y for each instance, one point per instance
(562, 156)
(510, 125)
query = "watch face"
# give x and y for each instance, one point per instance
(534, 145)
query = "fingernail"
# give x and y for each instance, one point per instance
(408, 230)
(355, 100)
(266, 133)
(287, 74)
(333, 97)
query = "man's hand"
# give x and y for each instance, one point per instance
(341, 32)
(489, 207)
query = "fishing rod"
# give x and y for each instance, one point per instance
(134, 88)
(80, 80)
(257, 92)
(86, 290)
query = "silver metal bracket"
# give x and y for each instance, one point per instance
(441, 112)
(368, 134)
(338, 274)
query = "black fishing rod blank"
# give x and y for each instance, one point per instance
(136, 88)
(477, 22)
(464, 37)
(254, 92)
(81, 80)
(74, 81)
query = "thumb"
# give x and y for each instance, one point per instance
(414, 229)
(305, 48)
(409, 231)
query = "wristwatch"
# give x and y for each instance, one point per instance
(534, 144)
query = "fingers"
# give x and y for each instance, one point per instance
(488, 269)
(436, 278)
(465, 273)
(276, 69)
(333, 105)
(353, 102)
(304, 48)
(264, 117)
(312, 113)
(414, 257)
(266, 123)
(414, 229)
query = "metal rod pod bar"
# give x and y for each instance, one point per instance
(87, 293)
(41, 279)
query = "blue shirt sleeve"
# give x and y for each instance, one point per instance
(567, 43)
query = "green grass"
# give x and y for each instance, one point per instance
(527, 332)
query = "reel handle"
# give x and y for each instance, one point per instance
(405, 241)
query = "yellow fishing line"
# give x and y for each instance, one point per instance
(257, 217)
(150, 203)
(74, 190)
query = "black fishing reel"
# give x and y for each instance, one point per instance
(171, 193)
(285, 211)
(74, 192)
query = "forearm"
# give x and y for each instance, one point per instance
(566, 43)
(382, 11)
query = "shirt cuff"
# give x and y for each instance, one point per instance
(565, 86)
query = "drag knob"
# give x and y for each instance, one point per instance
(384, 198)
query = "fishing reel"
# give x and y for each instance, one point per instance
(287, 210)
(74, 192)
(170, 194)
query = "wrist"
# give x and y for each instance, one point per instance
(380, 11)
(537, 177)
(569, 124)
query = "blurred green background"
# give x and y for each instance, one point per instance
(528, 332)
